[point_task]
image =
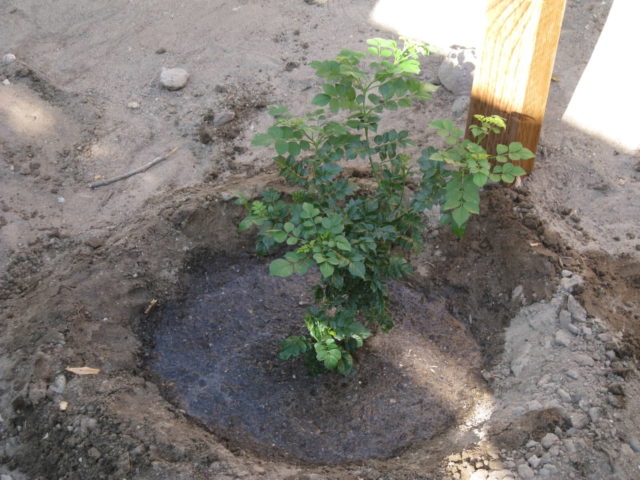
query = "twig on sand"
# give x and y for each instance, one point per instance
(146, 166)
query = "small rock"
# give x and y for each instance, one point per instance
(564, 318)
(635, 445)
(60, 200)
(584, 360)
(594, 414)
(562, 338)
(571, 284)
(133, 105)
(566, 273)
(94, 453)
(161, 50)
(94, 242)
(173, 78)
(616, 389)
(572, 374)
(460, 107)
(59, 384)
(534, 461)
(6, 477)
(222, 118)
(6, 82)
(577, 311)
(8, 58)
(574, 329)
(548, 440)
(578, 420)
(525, 471)
(564, 395)
(456, 70)
(479, 475)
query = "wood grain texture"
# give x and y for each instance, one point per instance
(516, 65)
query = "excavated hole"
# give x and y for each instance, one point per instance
(214, 350)
(217, 350)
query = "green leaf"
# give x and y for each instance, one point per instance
(502, 149)
(480, 179)
(293, 148)
(302, 266)
(326, 269)
(329, 354)
(280, 268)
(357, 269)
(288, 227)
(293, 346)
(321, 99)
(282, 147)
(460, 216)
(262, 140)
(280, 236)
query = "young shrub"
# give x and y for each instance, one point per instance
(358, 240)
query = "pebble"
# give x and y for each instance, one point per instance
(562, 338)
(459, 109)
(564, 318)
(133, 105)
(60, 200)
(635, 445)
(564, 395)
(570, 284)
(59, 384)
(479, 475)
(594, 414)
(456, 70)
(584, 360)
(223, 118)
(534, 461)
(4, 476)
(548, 440)
(94, 242)
(173, 78)
(566, 273)
(572, 374)
(525, 471)
(574, 329)
(576, 310)
(8, 58)
(6, 82)
(578, 420)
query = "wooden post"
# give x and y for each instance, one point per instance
(516, 65)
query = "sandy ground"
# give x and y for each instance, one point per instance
(82, 102)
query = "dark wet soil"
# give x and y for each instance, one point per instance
(216, 352)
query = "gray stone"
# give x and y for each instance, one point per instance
(8, 58)
(562, 338)
(584, 360)
(173, 78)
(548, 440)
(525, 471)
(572, 374)
(456, 70)
(6, 82)
(564, 318)
(576, 310)
(59, 384)
(564, 395)
(570, 284)
(534, 461)
(635, 445)
(133, 105)
(566, 273)
(459, 109)
(574, 329)
(594, 414)
(578, 420)
(222, 118)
